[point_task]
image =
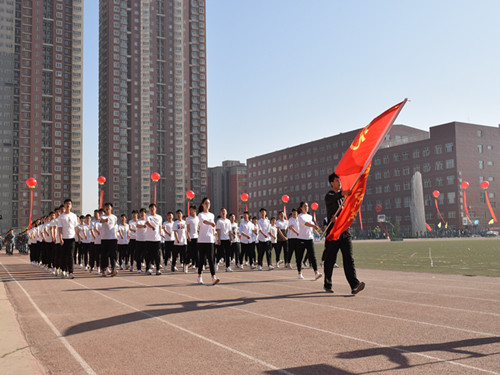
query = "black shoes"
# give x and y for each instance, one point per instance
(328, 290)
(359, 288)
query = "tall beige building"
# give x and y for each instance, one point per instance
(41, 47)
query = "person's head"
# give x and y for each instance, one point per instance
(246, 215)
(281, 215)
(294, 213)
(88, 219)
(178, 215)
(135, 215)
(254, 219)
(96, 215)
(263, 213)
(82, 219)
(192, 210)
(108, 208)
(273, 221)
(52, 215)
(123, 218)
(68, 204)
(232, 217)
(334, 181)
(223, 213)
(303, 207)
(204, 205)
(170, 216)
(142, 213)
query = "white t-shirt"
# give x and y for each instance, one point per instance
(81, 236)
(68, 223)
(274, 231)
(192, 223)
(85, 234)
(234, 230)
(292, 222)
(109, 229)
(55, 224)
(283, 226)
(46, 232)
(180, 227)
(123, 229)
(141, 232)
(206, 234)
(245, 228)
(153, 235)
(224, 227)
(97, 226)
(39, 233)
(254, 238)
(169, 231)
(305, 232)
(133, 228)
(264, 226)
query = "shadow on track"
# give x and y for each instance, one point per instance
(320, 369)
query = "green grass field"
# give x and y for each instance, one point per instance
(475, 257)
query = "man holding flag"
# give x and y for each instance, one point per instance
(343, 206)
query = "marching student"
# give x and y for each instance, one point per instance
(180, 242)
(306, 240)
(67, 224)
(168, 228)
(86, 241)
(140, 244)
(224, 236)
(78, 258)
(95, 250)
(254, 240)
(273, 233)
(109, 241)
(246, 228)
(192, 223)
(206, 240)
(235, 247)
(264, 244)
(293, 233)
(123, 234)
(153, 240)
(133, 237)
(282, 240)
(56, 239)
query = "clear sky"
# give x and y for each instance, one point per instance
(284, 72)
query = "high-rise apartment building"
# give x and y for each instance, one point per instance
(226, 183)
(152, 101)
(40, 106)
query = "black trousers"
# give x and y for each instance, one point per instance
(225, 251)
(248, 250)
(84, 253)
(192, 252)
(302, 247)
(123, 254)
(206, 251)
(131, 252)
(181, 250)
(235, 252)
(108, 254)
(264, 248)
(278, 246)
(168, 249)
(140, 251)
(68, 250)
(153, 254)
(94, 257)
(292, 247)
(344, 244)
(58, 256)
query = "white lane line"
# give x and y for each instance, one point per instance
(373, 343)
(86, 367)
(213, 342)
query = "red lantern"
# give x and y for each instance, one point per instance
(314, 206)
(31, 182)
(155, 176)
(285, 198)
(190, 194)
(465, 185)
(378, 208)
(436, 193)
(244, 197)
(101, 180)
(485, 185)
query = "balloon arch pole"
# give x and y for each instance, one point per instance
(31, 183)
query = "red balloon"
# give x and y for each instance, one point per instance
(190, 194)
(485, 184)
(435, 193)
(378, 208)
(244, 197)
(314, 206)
(101, 180)
(465, 185)
(285, 198)
(31, 182)
(155, 176)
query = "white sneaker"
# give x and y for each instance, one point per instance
(270, 268)
(336, 265)
(300, 276)
(216, 267)
(81, 266)
(215, 280)
(139, 271)
(150, 271)
(260, 268)
(200, 281)
(240, 266)
(317, 275)
(71, 276)
(228, 269)
(186, 269)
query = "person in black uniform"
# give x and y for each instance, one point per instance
(333, 200)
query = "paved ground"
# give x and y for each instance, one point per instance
(266, 322)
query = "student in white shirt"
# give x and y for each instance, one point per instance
(293, 237)
(254, 241)
(67, 224)
(264, 244)
(123, 234)
(168, 233)
(54, 227)
(95, 250)
(109, 241)
(246, 228)
(206, 240)
(235, 247)
(180, 242)
(86, 241)
(273, 233)
(192, 223)
(224, 238)
(153, 239)
(133, 237)
(306, 236)
(282, 240)
(78, 258)
(140, 248)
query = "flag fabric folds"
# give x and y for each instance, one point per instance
(354, 166)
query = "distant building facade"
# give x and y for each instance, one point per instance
(446, 156)
(226, 183)
(41, 49)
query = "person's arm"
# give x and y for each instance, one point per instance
(169, 234)
(188, 226)
(209, 223)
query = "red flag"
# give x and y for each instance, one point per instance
(355, 163)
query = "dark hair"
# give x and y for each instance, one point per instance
(123, 215)
(152, 205)
(281, 212)
(108, 204)
(301, 204)
(96, 210)
(88, 215)
(142, 210)
(170, 213)
(200, 209)
(262, 209)
(82, 217)
(193, 207)
(176, 212)
(134, 212)
(332, 177)
(101, 210)
(61, 206)
(68, 200)
(294, 210)
(273, 218)
(246, 212)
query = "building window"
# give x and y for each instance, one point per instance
(490, 163)
(395, 157)
(450, 180)
(450, 163)
(451, 198)
(386, 159)
(439, 165)
(448, 147)
(481, 164)
(397, 172)
(426, 151)
(427, 167)
(479, 133)
(427, 183)
(480, 149)
(405, 155)
(406, 171)
(452, 214)
(438, 149)
(439, 181)
(416, 154)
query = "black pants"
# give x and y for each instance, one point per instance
(206, 251)
(131, 252)
(292, 247)
(344, 244)
(303, 246)
(140, 251)
(235, 252)
(192, 252)
(278, 246)
(68, 250)
(225, 251)
(58, 256)
(123, 254)
(181, 250)
(109, 248)
(153, 254)
(94, 256)
(248, 250)
(264, 248)
(84, 253)
(167, 253)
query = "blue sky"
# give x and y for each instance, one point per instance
(284, 72)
